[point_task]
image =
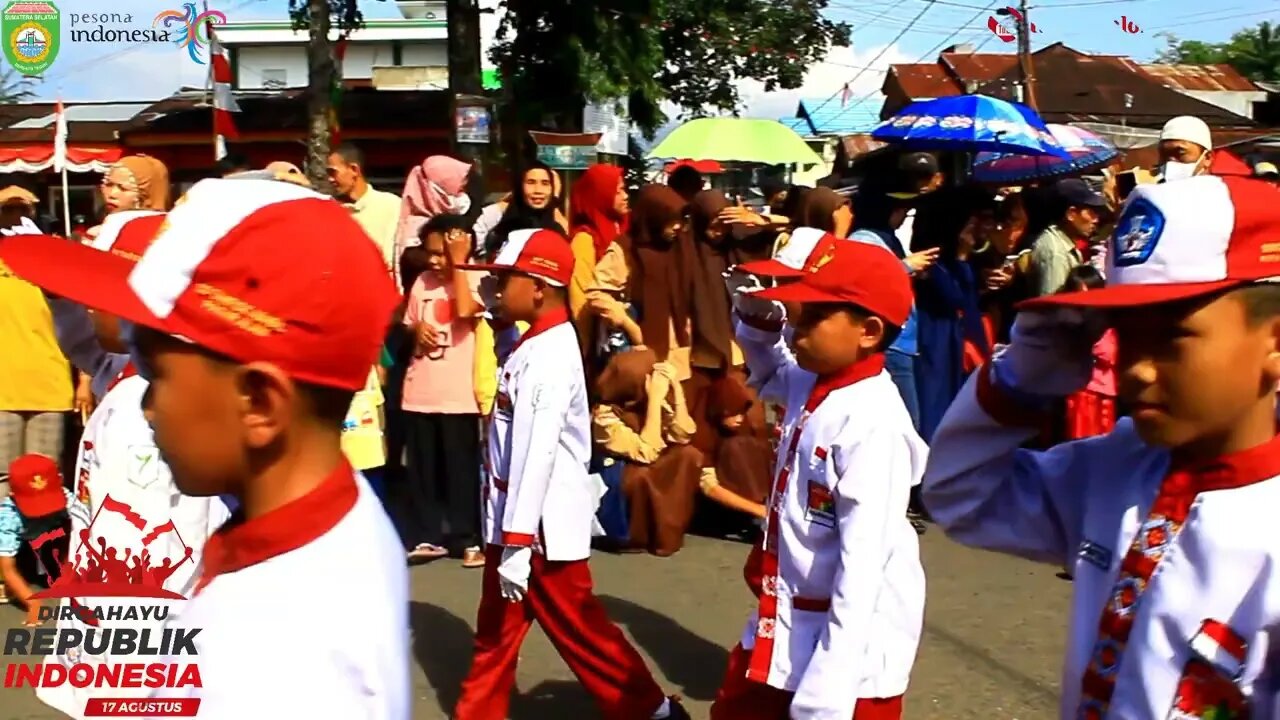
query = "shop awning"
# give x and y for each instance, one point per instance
(34, 158)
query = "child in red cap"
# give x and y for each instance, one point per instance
(37, 507)
(837, 573)
(540, 505)
(1168, 522)
(259, 309)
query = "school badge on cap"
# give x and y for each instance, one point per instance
(1137, 233)
(1185, 240)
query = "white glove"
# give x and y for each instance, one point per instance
(513, 572)
(26, 227)
(1050, 353)
(742, 286)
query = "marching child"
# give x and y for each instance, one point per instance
(254, 339)
(540, 505)
(837, 574)
(118, 467)
(1168, 521)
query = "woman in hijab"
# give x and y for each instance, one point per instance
(437, 186)
(135, 182)
(642, 419)
(826, 210)
(737, 473)
(659, 275)
(949, 322)
(536, 202)
(597, 211)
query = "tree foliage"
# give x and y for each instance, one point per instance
(1254, 52)
(15, 88)
(556, 54)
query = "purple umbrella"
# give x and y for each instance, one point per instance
(1085, 151)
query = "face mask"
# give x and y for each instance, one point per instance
(1178, 170)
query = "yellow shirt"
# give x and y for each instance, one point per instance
(34, 374)
(362, 440)
(486, 365)
(378, 213)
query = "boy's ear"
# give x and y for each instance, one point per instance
(873, 330)
(1271, 367)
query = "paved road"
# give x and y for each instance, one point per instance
(992, 645)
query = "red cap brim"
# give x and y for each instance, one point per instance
(495, 268)
(770, 268)
(79, 273)
(46, 502)
(798, 292)
(1123, 296)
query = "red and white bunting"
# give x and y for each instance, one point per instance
(224, 101)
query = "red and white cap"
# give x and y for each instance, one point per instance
(255, 270)
(858, 273)
(128, 233)
(544, 254)
(804, 246)
(1185, 239)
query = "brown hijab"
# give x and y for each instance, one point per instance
(817, 207)
(708, 259)
(152, 179)
(659, 282)
(621, 384)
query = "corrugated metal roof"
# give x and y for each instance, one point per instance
(822, 116)
(924, 80)
(978, 67)
(1071, 86)
(118, 112)
(1222, 77)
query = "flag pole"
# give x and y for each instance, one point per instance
(66, 191)
(218, 148)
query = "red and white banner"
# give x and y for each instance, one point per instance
(38, 158)
(224, 101)
(59, 137)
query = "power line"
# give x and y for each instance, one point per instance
(927, 54)
(879, 55)
(1217, 19)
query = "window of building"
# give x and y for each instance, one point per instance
(275, 79)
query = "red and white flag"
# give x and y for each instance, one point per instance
(224, 101)
(59, 137)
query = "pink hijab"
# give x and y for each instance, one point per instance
(435, 187)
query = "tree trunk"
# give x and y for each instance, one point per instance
(320, 79)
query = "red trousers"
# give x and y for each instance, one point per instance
(743, 699)
(561, 599)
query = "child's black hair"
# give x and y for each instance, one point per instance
(1261, 302)
(1083, 276)
(329, 405)
(442, 224)
(891, 331)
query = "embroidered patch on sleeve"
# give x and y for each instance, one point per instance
(1095, 554)
(821, 505)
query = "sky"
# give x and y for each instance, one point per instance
(884, 32)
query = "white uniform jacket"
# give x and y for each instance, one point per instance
(538, 492)
(1176, 598)
(841, 585)
(133, 506)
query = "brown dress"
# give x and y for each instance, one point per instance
(660, 480)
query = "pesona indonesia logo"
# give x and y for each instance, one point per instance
(192, 30)
(187, 28)
(110, 634)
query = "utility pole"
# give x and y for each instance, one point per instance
(1024, 56)
(465, 84)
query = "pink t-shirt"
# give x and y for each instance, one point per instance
(442, 381)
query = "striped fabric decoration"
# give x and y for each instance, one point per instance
(224, 101)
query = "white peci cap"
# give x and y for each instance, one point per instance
(1189, 128)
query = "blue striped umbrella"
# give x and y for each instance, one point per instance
(972, 123)
(1085, 150)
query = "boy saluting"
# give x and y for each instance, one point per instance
(1168, 522)
(540, 503)
(254, 336)
(837, 573)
